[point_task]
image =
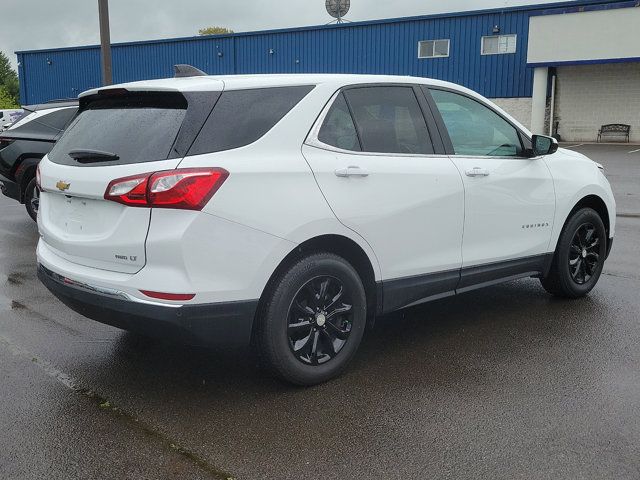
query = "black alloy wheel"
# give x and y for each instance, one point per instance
(320, 320)
(579, 257)
(32, 199)
(584, 253)
(311, 319)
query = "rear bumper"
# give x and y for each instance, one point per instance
(10, 189)
(209, 325)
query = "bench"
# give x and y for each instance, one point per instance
(617, 129)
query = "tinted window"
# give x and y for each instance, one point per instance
(138, 128)
(389, 120)
(59, 119)
(475, 129)
(338, 129)
(46, 126)
(243, 116)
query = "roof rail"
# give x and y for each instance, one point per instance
(183, 70)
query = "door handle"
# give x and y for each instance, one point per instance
(352, 171)
(477, 172)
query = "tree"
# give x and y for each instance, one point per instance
(9, 85)
(214, 31)
(6, 100)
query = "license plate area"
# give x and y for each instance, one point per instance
(74, 214)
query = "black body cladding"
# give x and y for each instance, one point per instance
(211, 325)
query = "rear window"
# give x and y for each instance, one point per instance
(243, 116)
(140, 127)
(46, 126)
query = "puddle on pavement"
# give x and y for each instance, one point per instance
(16, 278)
(17, 305)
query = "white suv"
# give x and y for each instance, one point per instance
(289, 210)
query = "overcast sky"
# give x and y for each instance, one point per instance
(34, 24)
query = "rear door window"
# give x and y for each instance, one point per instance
(243, 116)
(389, 120)
(137, 128)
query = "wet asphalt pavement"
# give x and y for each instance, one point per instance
(502, 383)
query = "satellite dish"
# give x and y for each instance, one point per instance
(338, 8)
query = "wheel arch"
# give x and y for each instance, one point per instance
(24, 173)
(344, 247)
(595, 202)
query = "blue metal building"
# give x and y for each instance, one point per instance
(380, 47)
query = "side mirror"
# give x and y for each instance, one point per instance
(543, 145)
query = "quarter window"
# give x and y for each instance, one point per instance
(243, 116)
(433, 48)
(338, 129)
(389, 120)
(475, 129)
(499, 44)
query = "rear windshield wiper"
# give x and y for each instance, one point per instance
(91, 156)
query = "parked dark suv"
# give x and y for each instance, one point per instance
(25, 143)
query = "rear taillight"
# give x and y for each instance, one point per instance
(187, 188)
(5, 142)
(38, 180)
(130, 191)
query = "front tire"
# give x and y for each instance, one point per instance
(32, 199)
(312, 320)
(579, 257)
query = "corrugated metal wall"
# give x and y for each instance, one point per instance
(384, 47)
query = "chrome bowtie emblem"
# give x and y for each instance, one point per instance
(62, 186)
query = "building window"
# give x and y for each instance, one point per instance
(433, 48)
(499, 44)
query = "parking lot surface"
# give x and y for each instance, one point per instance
(502, 383)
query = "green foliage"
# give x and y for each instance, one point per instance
(9, 85)
(6, 99)
(214, 31)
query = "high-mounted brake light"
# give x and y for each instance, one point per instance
(187, 188)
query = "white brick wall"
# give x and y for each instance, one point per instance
(518, 108)
(589, 96)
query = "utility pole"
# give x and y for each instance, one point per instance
(105, 42)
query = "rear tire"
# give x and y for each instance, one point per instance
(579, 257)
(32, 199)
(312, 320)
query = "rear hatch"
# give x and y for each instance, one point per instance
(117, 133)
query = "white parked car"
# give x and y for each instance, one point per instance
(289, 210)
(8, 117)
